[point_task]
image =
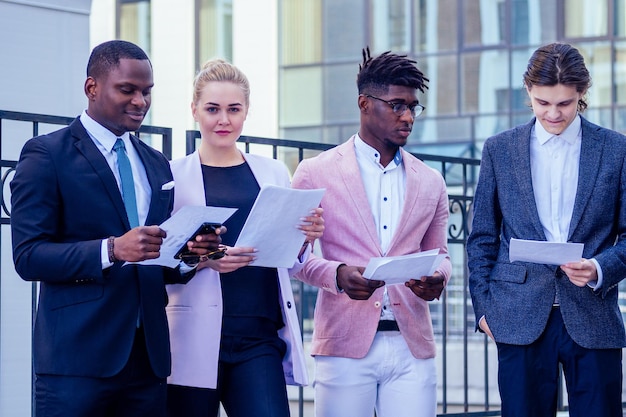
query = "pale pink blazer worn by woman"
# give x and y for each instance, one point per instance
(194, 310)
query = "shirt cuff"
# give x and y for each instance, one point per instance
(596, 284)
(104, 255)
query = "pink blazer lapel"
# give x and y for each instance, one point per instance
(351, 178)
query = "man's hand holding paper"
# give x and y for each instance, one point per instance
(350, 280)
(399, 269)
(427, 287)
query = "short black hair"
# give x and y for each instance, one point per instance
(107, 55)
(377, 74)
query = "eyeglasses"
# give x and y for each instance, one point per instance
(400, 108)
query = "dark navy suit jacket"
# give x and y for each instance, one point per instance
(516, 298)
(65, 200)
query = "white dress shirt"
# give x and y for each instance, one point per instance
(104, 140)
(554, 164)
(385, 188)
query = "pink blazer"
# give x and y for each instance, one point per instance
(344, 327)
(194, 310)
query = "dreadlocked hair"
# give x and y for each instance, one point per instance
(377, 74)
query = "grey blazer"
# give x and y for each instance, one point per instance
(516, 298)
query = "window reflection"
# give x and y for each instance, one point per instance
(620, 73)
(597, 57)
(135, 22)
(585, 18)
(620, 17)
(484, 74)
(484, 22)
(215, 29)
(301, 31)
(296, 84)
(391, 25)
(436, 26)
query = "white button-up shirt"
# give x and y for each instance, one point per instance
(385, 188)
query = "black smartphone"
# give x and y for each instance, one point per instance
(204, 229)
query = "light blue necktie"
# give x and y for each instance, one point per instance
(128, 184)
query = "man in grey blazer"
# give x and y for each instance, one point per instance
(558, 178)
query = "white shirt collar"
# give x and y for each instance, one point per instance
(364, 150)
(100, 133)
(571, 133)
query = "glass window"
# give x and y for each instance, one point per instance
(391, 25)
(533, 21)
(620, 18)
(134, 26)
(436, 28)
(620, 120)
(449, 129)
(135, 23)
(301, 97)
(442, 95)
(484, 22)
(585, 18)
(487, 126)
(345, 28)
(599, 63)
(340, 98)
(301, 32)
(484, 74)
(620, 72)
(215, 30)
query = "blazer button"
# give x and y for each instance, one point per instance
(288, 304)
(377, 304)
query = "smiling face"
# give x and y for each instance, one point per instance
(120, 98)
(220, 112)
(555, 107)
(381, 128)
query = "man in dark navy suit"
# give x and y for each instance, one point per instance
(558, 178)
(101, 338)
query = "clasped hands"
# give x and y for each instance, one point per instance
(350, 279)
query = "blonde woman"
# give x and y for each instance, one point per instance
(234, 331)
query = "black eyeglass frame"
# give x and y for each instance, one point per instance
(399, 108)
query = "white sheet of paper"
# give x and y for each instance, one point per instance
(542, 252)
(399, 269)
(271, 226)
(179, 228)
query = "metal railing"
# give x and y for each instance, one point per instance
(452, 315)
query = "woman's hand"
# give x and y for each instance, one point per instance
(312, 226)
(235, 258)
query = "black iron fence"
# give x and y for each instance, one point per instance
(467, 383)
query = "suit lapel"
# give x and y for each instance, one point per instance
(590, 156)
(350, 174)
(520, 157)
(155, 215)
(94, 157)
(412, 191)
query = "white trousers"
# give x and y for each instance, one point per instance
(389, 380)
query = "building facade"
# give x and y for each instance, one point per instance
(302, 57)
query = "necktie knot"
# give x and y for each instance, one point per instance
(119, 144)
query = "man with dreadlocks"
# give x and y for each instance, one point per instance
(373, 344)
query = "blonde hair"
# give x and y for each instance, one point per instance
(222, 71)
